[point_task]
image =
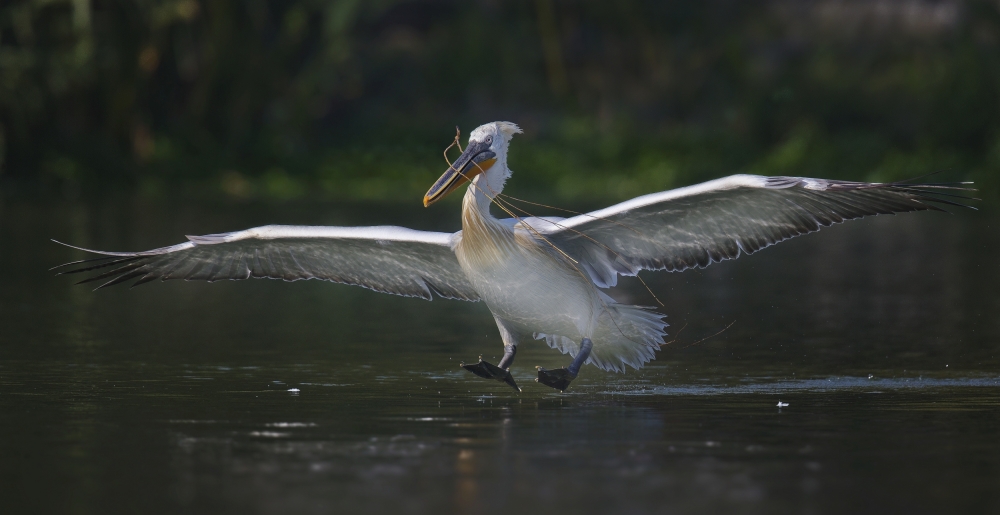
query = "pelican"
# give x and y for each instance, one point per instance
(541, 277)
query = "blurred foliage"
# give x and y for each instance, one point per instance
(280, 99)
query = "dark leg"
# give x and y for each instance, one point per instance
(561, 377)
(509, 351)
(490, 371)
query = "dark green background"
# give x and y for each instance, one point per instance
(352, 99)
(128, 124)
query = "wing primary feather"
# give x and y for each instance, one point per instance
(925, 175)
(944, 201)
(77, 262)
(848, 208)
(168, 268)
(98, 266)
(152, 276)
(937, 185)
(932, 195)
(121, 279)
(815, 224)
(111, 273)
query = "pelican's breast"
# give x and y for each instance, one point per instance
(523, 282)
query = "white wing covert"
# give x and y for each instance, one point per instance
(717, 220)
(385, 259)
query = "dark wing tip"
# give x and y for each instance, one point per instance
(926, 194)
(131, 262)
(930, 193)
(71, 263)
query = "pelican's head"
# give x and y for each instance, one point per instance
(485, 154)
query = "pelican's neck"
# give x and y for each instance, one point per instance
(484, 188)
(476, 208)
(485, 241)
(477, 200)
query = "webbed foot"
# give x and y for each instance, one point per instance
(561, 377)
(488, 370)
(558, 378)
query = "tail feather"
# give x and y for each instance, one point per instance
(625, 335)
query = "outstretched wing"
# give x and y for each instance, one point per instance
(385, 259)
(718, 220)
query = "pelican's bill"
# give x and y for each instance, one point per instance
(476, 159)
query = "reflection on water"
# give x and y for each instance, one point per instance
(269, 397)
(833, 384)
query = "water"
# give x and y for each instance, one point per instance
(880, 335)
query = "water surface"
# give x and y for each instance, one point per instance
(881, 336)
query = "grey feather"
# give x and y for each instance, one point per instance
(703, 224)
(389, 260)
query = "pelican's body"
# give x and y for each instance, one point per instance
(527, 285)
(535, 291)
(540, 277)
